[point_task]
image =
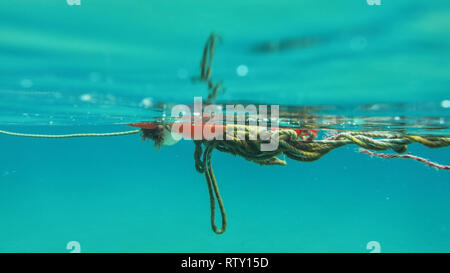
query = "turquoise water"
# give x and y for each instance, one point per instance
(103, 64)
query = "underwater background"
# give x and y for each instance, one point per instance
(97, 66)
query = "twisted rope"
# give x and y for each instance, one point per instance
(417, 158)
(293, 148)
(212, 185)
(206, 68)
